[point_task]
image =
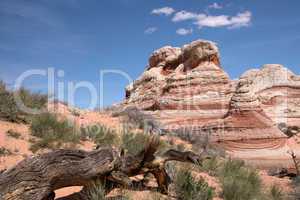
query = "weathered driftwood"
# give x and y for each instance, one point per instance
(38, 177)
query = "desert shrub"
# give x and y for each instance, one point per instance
(187, 187)
(290, 131)
(185, 134)
(13, 134)
(180, 147)
(239, 182)
(276, 193)
(171, 169)
(8, 108)
(134, 143)
(296, 186)
(96, 191)
(32, 100)
(112, 110)
(135, 118)
(211, 165)
(4, 152)
(200, 141)
(75, 113)
(44, 143)
(52, 133)
(100, 134)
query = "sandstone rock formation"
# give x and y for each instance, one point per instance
(187, 88)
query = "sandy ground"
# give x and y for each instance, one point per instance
(19, 148)
(67, 191)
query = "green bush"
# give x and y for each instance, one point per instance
(100, 134)
(187, 187)
(96, 191)
(134, 143)
(276, 193)
(239, 182)
(211, 166)
(32, 100)
(136, 119)
(8, 108)
(52, 133)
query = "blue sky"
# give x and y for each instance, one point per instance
(83, 37)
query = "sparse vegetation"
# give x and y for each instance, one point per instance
(187, 187)
(112, 110)
(32, 100)
(8, 108)
(180, 147)
(296, 185)
(75, 112)
(211, 166)
(136, 119)
(100, 134)
(13, 134)
(239, 182)
(276, 193)
(52, 133)
(134, 143)
(295, 161)
(4, 152)
(184, 134)
(200, 141)
(290, 131)
(96, 191)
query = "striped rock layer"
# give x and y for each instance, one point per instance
(186, 88)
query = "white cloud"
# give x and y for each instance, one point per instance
(184, 15)
(215, 6)
(163, 11)
(240, 20)
(204, 20)
(151, 30)
(213, 21)
(183, 31)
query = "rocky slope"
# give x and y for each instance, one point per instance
(187, 88)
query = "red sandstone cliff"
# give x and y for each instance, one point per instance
(187, 88)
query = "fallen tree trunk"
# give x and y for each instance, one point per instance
(38, 177)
